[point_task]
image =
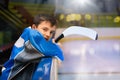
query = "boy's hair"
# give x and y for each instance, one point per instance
(44, 17)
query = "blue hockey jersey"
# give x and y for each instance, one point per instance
(31, 57)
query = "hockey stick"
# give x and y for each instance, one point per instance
(78, 30)
(73, 30)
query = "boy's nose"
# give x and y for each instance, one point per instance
(47, 36)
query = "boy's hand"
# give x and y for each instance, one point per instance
(59, 44)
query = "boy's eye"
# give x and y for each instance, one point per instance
(45, 29)
(52, 32)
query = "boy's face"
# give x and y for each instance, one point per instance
(45, 29)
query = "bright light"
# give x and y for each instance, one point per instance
(82, 2)
(83, 50)
(77, 6)
(117, 19)
(88, 17)
(92, 51)
(62, 16)
(117, 47)
(75, 52)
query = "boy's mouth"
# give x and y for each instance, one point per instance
(47, 39)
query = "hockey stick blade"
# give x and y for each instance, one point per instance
(78, 30)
